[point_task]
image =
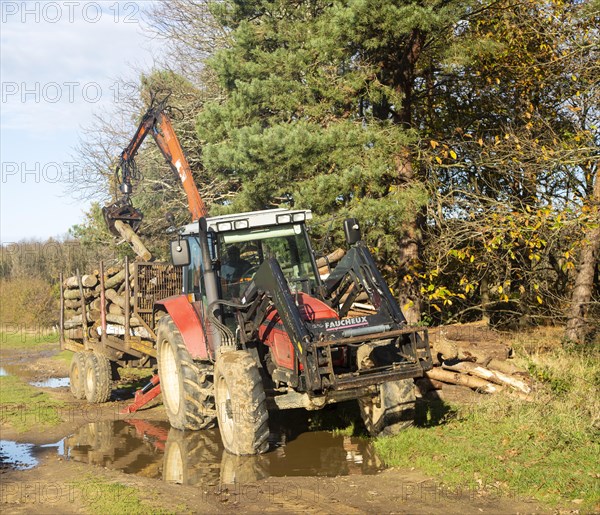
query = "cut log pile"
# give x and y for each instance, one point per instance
(328, 262)
(115, 301)
(92, 302)
(469, 360)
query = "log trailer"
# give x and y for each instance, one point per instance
(256, 327)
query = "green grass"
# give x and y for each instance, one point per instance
(135, 373)
(548, 449)
(65, 356)
(24, 407)
(134, 378)
(26, 339)
(105, 498)
(341, 419)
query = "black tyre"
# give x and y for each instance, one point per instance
(392, 411)
(77, 375)
(241, 404)
(98, 378)
(192, 457)
(186, 386)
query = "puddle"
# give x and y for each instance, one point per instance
(24, 456)
(17, 455)
(12, 369)
(155, 450)
(52, 382)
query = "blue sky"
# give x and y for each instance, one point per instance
(59, 64)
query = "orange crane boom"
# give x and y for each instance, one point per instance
(157, 123)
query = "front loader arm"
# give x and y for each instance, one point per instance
(357, 272)
(269, 289)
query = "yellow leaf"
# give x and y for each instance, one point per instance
(539, 299)
(472, 259)
(500, 289)
(453, 154)
(480, 141)
(439, 161)
(436, 308)
(433, 143)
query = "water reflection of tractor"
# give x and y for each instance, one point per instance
(152, 449)
(255, 327)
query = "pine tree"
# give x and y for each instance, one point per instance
(318, 111)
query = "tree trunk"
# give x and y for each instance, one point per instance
(578, 325)
(411, 243)
(410, 250)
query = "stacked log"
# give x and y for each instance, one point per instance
(114, 308)
(326, 263)
(477, 364)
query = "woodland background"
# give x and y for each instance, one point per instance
(462, 134)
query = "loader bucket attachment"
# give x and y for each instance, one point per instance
(123, 211)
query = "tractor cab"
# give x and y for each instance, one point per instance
(238, 244)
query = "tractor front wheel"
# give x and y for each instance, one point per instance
(241, 404)
(392, 410)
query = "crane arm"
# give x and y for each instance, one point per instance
(157, 123)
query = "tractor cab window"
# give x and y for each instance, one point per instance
(242, 252)
(193, 272)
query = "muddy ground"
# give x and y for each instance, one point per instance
(306, 471)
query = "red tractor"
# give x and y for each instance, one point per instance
(256, 326)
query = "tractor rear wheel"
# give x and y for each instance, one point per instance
(98, 378)
(241, 404)
(77, 375)
(392, 410)
(185, 385)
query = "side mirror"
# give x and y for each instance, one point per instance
(351, 230)
(180, 252)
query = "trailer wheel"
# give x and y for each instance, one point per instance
(186, 386)
(392, 410)
(77, 375)
(97, 381)
(241, 404)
